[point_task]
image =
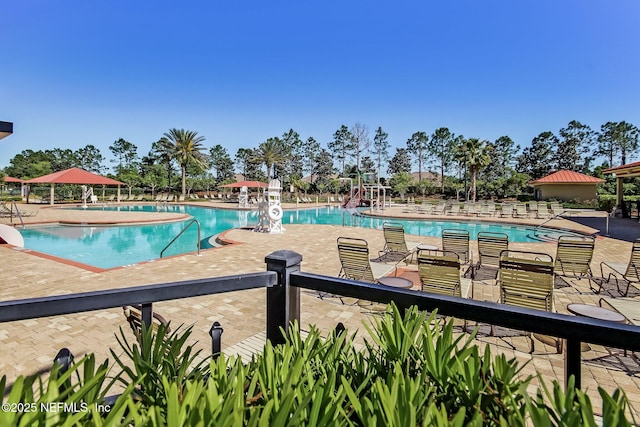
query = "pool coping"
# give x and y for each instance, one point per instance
(222, 239)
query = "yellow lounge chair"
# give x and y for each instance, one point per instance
(355, 265)
(573, 257)
(490, 247)
(526, 280)
(458, 241)
(439, 273)
(396, 248)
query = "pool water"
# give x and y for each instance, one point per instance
(113, 246)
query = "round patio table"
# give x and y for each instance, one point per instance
(422, 247)
(396, 282)
(595, 312)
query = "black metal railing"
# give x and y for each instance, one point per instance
(283, 281)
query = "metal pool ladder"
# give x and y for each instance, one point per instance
(180, 234)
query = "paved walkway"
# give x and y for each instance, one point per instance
(34, 343)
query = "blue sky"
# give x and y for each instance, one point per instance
(89, 72)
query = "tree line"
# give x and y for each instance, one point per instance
(446, 163)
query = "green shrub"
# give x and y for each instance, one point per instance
(411, 371)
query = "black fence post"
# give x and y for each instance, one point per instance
(572, 360)
(283, 301)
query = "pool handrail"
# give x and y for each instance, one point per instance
(180, 234)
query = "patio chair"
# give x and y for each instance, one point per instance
(573, 257)
(439, 273)
(628, 307)
(629, 272)
(521, 211)
(439, 209)
(543, 210)
(426, 208)
(526, 280)
(487, 209)
(490, 247)
(506, 210)
(396, 248)
(556, 209)
(457, 241)
(471, 209)
(355, 265)
(454, 209)
(133, 313)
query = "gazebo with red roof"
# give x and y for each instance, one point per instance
(629, 170)
(566, 185)
(74, 176)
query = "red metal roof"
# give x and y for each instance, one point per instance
(12, 179)
(74, 176)
(567, 177)
(630, 170)
(248, 184)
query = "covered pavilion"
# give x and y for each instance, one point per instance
(12, 180)
(243, 186)
(248, 184)
(629, 170)
(74, 176)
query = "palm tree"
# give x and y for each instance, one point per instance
(270, 153)
(185, 147)
(473, 152)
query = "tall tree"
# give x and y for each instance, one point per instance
(242, 160)
(125, 154)
(311, 152)
(417, 146)
(90, 159)
(294, 165)
(185, 147)
(254, 170)
(400, 162)
(618, 138)
(441, 146)
(360, 141)
(571, 153)
(341, 146)
(271, 153)
(29, 164)
(502, 153)
(62, 159)
(536, 160)
(221, 162)
(323, 168)
(367, 165)
(380, 149)
(161, 154)
(474, 153)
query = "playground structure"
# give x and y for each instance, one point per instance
(270, 210)
(366, 193)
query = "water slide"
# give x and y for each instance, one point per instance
(11, 236)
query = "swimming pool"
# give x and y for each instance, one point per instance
(114, 246)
